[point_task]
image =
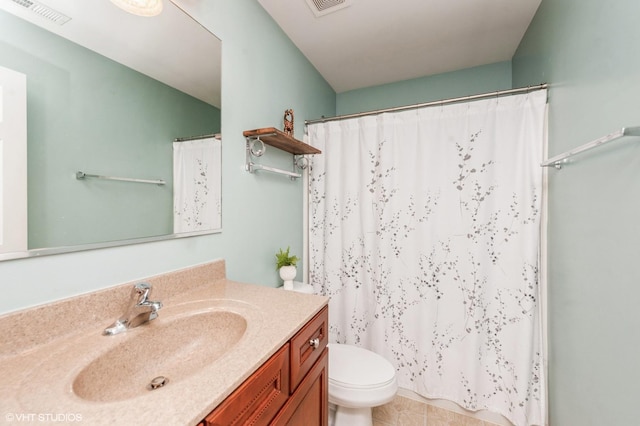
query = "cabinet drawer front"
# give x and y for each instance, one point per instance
(259, 398)
(307, 346)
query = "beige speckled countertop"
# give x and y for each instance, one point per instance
(43, 350)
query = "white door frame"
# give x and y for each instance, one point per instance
(13, 161)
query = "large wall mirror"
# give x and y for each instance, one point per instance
(110, 94)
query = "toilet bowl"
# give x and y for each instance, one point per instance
(358, 380)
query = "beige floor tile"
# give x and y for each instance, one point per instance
(469, 421)
(386, 413)
(401, 412)
(408, 412)
(440, 417)
(379, 423)
(408, 418)
(409, 405)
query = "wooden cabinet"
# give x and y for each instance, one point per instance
(291, 388)
(306, 347)
(259, 398)
(308, 405)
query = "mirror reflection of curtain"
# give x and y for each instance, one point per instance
(196, 185)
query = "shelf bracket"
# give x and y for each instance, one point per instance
(252, 150)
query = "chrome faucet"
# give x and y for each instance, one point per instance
(139, 311)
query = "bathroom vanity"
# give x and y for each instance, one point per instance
(290, 388)
(219, 352)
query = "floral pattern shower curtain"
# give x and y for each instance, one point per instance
(196, 185)
(425, 232)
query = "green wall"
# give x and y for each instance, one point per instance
(86, 112)
(465, 82)
(263, 74)
(588, 51)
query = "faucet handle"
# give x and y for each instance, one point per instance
(142, 286)
(141, 291)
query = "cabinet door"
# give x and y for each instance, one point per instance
(259, 398)
(308, 405)
(307, 346)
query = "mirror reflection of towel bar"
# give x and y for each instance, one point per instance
(82, 175)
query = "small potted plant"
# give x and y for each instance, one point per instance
(286, 265)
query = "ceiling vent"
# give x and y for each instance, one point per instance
(323, 7)
(43, 11)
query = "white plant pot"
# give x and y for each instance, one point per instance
(288, 274)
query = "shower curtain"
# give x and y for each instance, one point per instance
(424, 230)
(196, 185)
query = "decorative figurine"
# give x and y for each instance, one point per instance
(288, 122)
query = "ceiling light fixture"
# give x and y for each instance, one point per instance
(140, 7)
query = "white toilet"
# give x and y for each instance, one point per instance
(358, 380)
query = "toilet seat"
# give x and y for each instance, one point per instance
(359, 378)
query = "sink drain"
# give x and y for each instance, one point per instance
(157, 382)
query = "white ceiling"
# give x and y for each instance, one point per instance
(368, 43)
(171, 47)
(373, 42)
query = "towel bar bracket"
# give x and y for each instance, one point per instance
(255, 147)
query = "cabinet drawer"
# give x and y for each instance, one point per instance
(307, 346)
(259, 398)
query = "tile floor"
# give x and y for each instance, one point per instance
(407, 412)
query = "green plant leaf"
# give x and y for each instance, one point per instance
(284, 259)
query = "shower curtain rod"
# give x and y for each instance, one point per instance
(432, 103)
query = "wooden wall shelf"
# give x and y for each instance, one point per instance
(278, 139)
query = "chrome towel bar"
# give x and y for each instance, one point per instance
(559, 160)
